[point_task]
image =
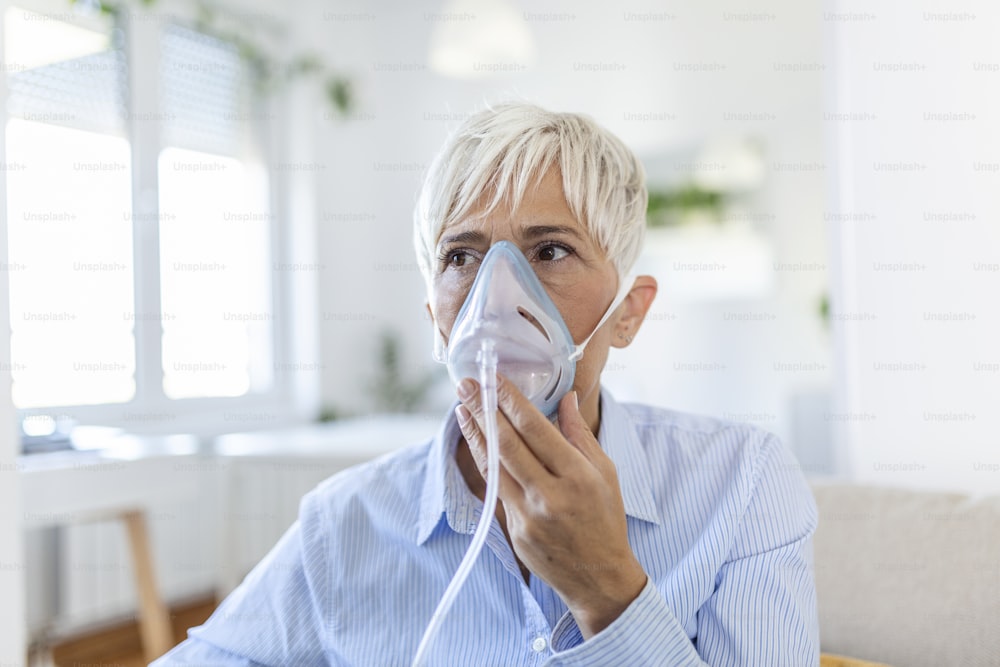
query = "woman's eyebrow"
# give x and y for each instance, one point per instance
(531, 232)
(469, 236)
(535, 231)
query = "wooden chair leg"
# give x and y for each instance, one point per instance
(154, 620)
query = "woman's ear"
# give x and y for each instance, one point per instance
(636, 304)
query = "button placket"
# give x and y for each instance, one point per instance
(536, 626)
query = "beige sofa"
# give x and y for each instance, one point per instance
(908, 578)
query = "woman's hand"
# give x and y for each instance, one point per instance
(563, 503)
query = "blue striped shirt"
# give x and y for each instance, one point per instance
(719, 515)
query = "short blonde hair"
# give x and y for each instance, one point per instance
(500, 151)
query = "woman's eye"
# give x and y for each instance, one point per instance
(551, 253)
(455, 258)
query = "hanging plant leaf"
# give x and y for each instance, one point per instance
(338, 91)
(268, 73)
(305, 64)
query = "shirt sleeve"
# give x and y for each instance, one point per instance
(276, 616)
(763, 609)
(646, 633)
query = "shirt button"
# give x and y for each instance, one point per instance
(539, 644)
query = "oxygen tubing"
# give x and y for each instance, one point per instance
(487, 359)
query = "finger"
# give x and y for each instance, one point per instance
(515, 455)
(476, 439)
(544, 439)
(575, 429)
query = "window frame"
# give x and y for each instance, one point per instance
(294, 395)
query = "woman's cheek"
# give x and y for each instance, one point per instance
(578, 317)
(448, 300)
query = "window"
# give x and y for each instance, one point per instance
(70, 344)
(68, 188)
(214, 225)
(140, 242)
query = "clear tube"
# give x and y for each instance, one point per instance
(487, 359)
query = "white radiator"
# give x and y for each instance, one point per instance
(79, 573)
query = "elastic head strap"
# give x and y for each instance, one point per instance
(623, 289)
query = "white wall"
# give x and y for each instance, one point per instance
(12, 565)
(700, 66)
(918, 236)
(12, 568)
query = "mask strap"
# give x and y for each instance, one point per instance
(440, 353)
(623, 290)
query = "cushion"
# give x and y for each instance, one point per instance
(908, 577)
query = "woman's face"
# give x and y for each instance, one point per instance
(575, 272)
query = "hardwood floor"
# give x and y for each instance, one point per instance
(119, 646)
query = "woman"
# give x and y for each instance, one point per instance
(625, 534)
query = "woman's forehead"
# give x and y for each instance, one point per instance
(542, 210)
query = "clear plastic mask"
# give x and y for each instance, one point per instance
(508, 304)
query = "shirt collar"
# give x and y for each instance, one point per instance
(440, 485)
(621, 443)
(445, 493)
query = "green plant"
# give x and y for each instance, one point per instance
(329, 413)
(668, 207)
(268, 71)
(392, 391)
(824, 309)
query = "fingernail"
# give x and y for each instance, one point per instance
(466, 388)
(576, 401)
(462, 414)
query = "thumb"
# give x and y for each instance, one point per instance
(574, 427)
